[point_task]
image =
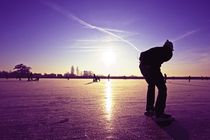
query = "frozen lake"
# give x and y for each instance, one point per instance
(79, 109)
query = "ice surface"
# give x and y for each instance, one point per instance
(78, 109)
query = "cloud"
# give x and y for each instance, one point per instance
(127, 33)
(105, 31)
(90, 26)
(94, 45)
(108, 40)
(189, 33)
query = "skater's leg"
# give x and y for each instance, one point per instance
(162, 94)
(150, 97)
(148, 75)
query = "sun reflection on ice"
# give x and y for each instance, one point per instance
(108, 100)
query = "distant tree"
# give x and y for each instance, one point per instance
(4, 74)
(22, 70)
(59, 76)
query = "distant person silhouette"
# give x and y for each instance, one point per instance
(94, 78)
(108, 77)
(150, 63)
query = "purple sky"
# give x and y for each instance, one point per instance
(50, 36)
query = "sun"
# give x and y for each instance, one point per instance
(109, 58)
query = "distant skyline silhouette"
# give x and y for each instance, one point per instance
(105, 37)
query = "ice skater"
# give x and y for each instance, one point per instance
(150, 63)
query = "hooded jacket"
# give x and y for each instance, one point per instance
(155, 56)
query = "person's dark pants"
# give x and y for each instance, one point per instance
(154, 77)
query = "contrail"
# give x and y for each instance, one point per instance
(86, 24)
(185, 35)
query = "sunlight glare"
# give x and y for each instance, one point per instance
(108, 101)
(109, 58)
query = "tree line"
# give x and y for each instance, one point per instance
(22, 71)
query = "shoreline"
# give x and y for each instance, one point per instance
(117, 77)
